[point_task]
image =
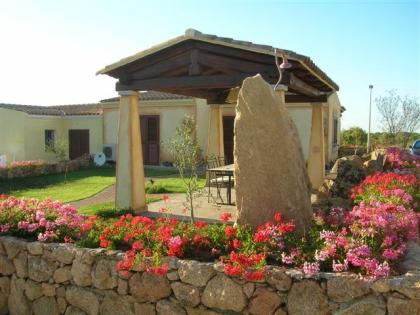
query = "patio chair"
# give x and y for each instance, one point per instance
(217, 179)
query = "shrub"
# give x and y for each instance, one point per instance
(398, 159)
(42, 220)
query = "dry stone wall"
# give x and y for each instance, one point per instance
(50, 279)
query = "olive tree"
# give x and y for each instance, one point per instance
(60, 149)
(398, 115)
(185, 151)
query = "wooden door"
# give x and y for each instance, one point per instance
(150, 139)
(78, 143)
(228, 124)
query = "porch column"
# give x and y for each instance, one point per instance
(130, 191)
(316, 158)
(215, 145)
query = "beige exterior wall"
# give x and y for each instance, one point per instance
(170, 112)
(301, 114)
(12, 134)
(334, 112)
(95, 125)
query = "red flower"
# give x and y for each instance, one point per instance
(225, 216)
(165, 198)
(278, 217)
(230, 231)
(254, 275)
(286, 227)
(137, 245)
(236, 244)
(232, 270)
(200, 224)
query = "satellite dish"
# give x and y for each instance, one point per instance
(99, 159)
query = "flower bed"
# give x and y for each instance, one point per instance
(19, 169)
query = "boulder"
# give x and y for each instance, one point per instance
(17, 302)
(398, 306)
(270, 170)
(345, 288)
(166, 307)
(223, 293)
(39, 269)
(105, 274)
(195, 273)
(349, 172)
(144, 309)
(149, 287)
(71, 310)
(278, 279)
(81, 273)
(372, 305)
(62, 274)
(114, 304)
(45, 305)
(264, 302)
(6, 266)
(307, 298)
(186, 294)
(21, 264)
(83, 299)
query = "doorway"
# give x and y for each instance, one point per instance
(78, 143)
(228, 127)
(150, 139)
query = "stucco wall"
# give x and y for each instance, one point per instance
(95, 126)
(302, 117)
(12, 134)
(334, 111)
(55, 279)
(171, 113)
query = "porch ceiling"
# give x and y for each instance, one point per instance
(207, 66)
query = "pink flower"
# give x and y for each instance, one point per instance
(310, 268)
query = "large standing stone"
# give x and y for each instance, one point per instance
(349, 172)
(307, 298)
(149, 287)
(84, 299)
(223, 293)
(270, 170)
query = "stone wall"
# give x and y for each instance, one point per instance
(54, 279)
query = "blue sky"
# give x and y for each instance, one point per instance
(50, 50)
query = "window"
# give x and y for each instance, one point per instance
(335, 131)
(49, 139)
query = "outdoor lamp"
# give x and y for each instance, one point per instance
(285, 64)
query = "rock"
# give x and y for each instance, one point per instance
(350, 172)
(223, 293)
(105, 274)
(122, 286)
(48, 289)
(307, 298)
(199, 311)
(248, 289)
(62, 304)
(62, 274)
(17, 302)
(13, 246)
(114, 304)
(4, 308)
(63, 253)
(408, 284)
(61, 291)
(33, 290)
(397, 306)
(5, 285)
(263, 129)
(412, 257)
(264, 302)
(195, 273)
(71, 310)
(166, 307)
(172, 276)
(342, 288)
(144, 309)
(6, 266)
(381, 286)
(277, 278)
(84, 299)
(371, 305)
(149, 287)
(39, 270)
(81, 273)
(186, 294)
(45, 305)
(34, 248)
(21, 264)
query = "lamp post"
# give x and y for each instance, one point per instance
(370, 112)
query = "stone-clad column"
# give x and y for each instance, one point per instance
(130, 190)
(316, 158)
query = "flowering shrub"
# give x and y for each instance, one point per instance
(28, 163)
(391, 188)
(398, 159)
(42, 220)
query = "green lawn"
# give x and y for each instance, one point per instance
(169, 185)
(80, 184)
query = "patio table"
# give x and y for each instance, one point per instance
(226, 170)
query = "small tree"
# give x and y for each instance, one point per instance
(60, 150)
(185, 152)
(355, 136)
(398, 116)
